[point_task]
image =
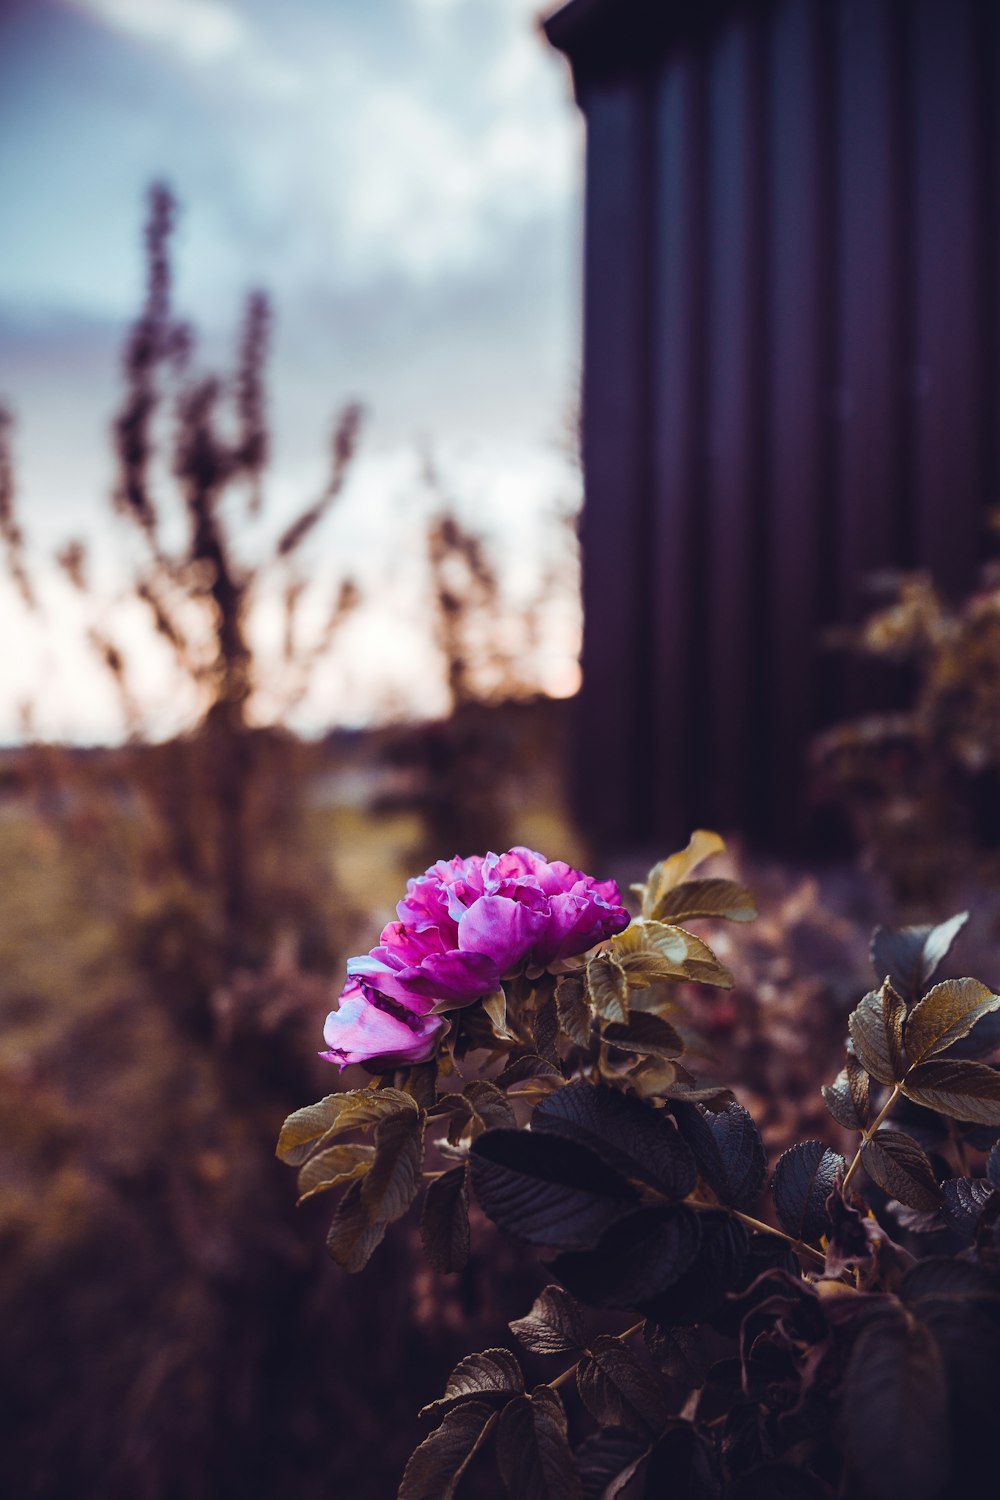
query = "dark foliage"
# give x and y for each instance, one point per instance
(834, 1351)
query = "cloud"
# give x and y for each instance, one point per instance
(202, 33)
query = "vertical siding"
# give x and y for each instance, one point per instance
(792, 379)
(737, 581)
(945, 388)
(679, 642)
(799, 375)
(872, 297)
(616, 392)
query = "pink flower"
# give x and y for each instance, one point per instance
(465, 924)
(366, 1028)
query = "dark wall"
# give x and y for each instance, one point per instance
(792, 334)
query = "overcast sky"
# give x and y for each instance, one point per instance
(401, 175)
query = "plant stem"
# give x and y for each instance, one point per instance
(759, 1224)
(571, 1370)
(867, 1135)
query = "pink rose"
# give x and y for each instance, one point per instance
(465, 924)
(367, 1028)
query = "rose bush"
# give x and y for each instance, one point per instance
(463, 926)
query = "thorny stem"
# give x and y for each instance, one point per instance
(867, 1135)
(568, 1373)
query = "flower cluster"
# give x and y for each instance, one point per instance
(464, 925)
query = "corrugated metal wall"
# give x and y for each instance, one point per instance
(792, 337)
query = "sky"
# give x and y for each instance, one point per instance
(403, 178)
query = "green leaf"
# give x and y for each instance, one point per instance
(651, 951)
(607, 986)
(619, 1390)
(436, 1467)
(706, 898)
(393, 1180)
(902, 1169)
(670, 872)
(486, 1376)
(728, 1149)
(803, 1180)
(329, 1168)
(637, 1140)
(946, 1014)
(309, 1128)
(547, 1190)
(533, 1452)
(848, 1098)
(576, 1018)
(962, 1090)
(636, 1260)
(444, 1222)
(895, 1412)
(353, 1237)
(553, 1326)
(911, 955)
(645, 1033)
(876, 1028)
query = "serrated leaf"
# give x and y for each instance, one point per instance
(608, 1461)
(329, 1168)
(533, 1452)
(902, 1169)
(444, 1222)
(911, 955)
(576, 1018)
(645, 1033)
(607, 987)
(670, 872)
(545, 1027)
(706, 898)
(895, 1412)
(619, 1390)
(490, 1104)
(947, 1013)
(352, 1237)
(312, 1127)
(728, 1149)
(962, 1090)
(651, 951)
(631, 1136)
(685, 1354)
(965, 1198)
(804, 1178)
(435, 1468)
(718, 1269)
(876, 1028)
(553, 1326)
(546, 1189)
(527, 1065)
(489, 1375)
(848, 1098)
(393, 1179)
(636, 1259)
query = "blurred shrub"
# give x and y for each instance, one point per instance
(922, 785)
